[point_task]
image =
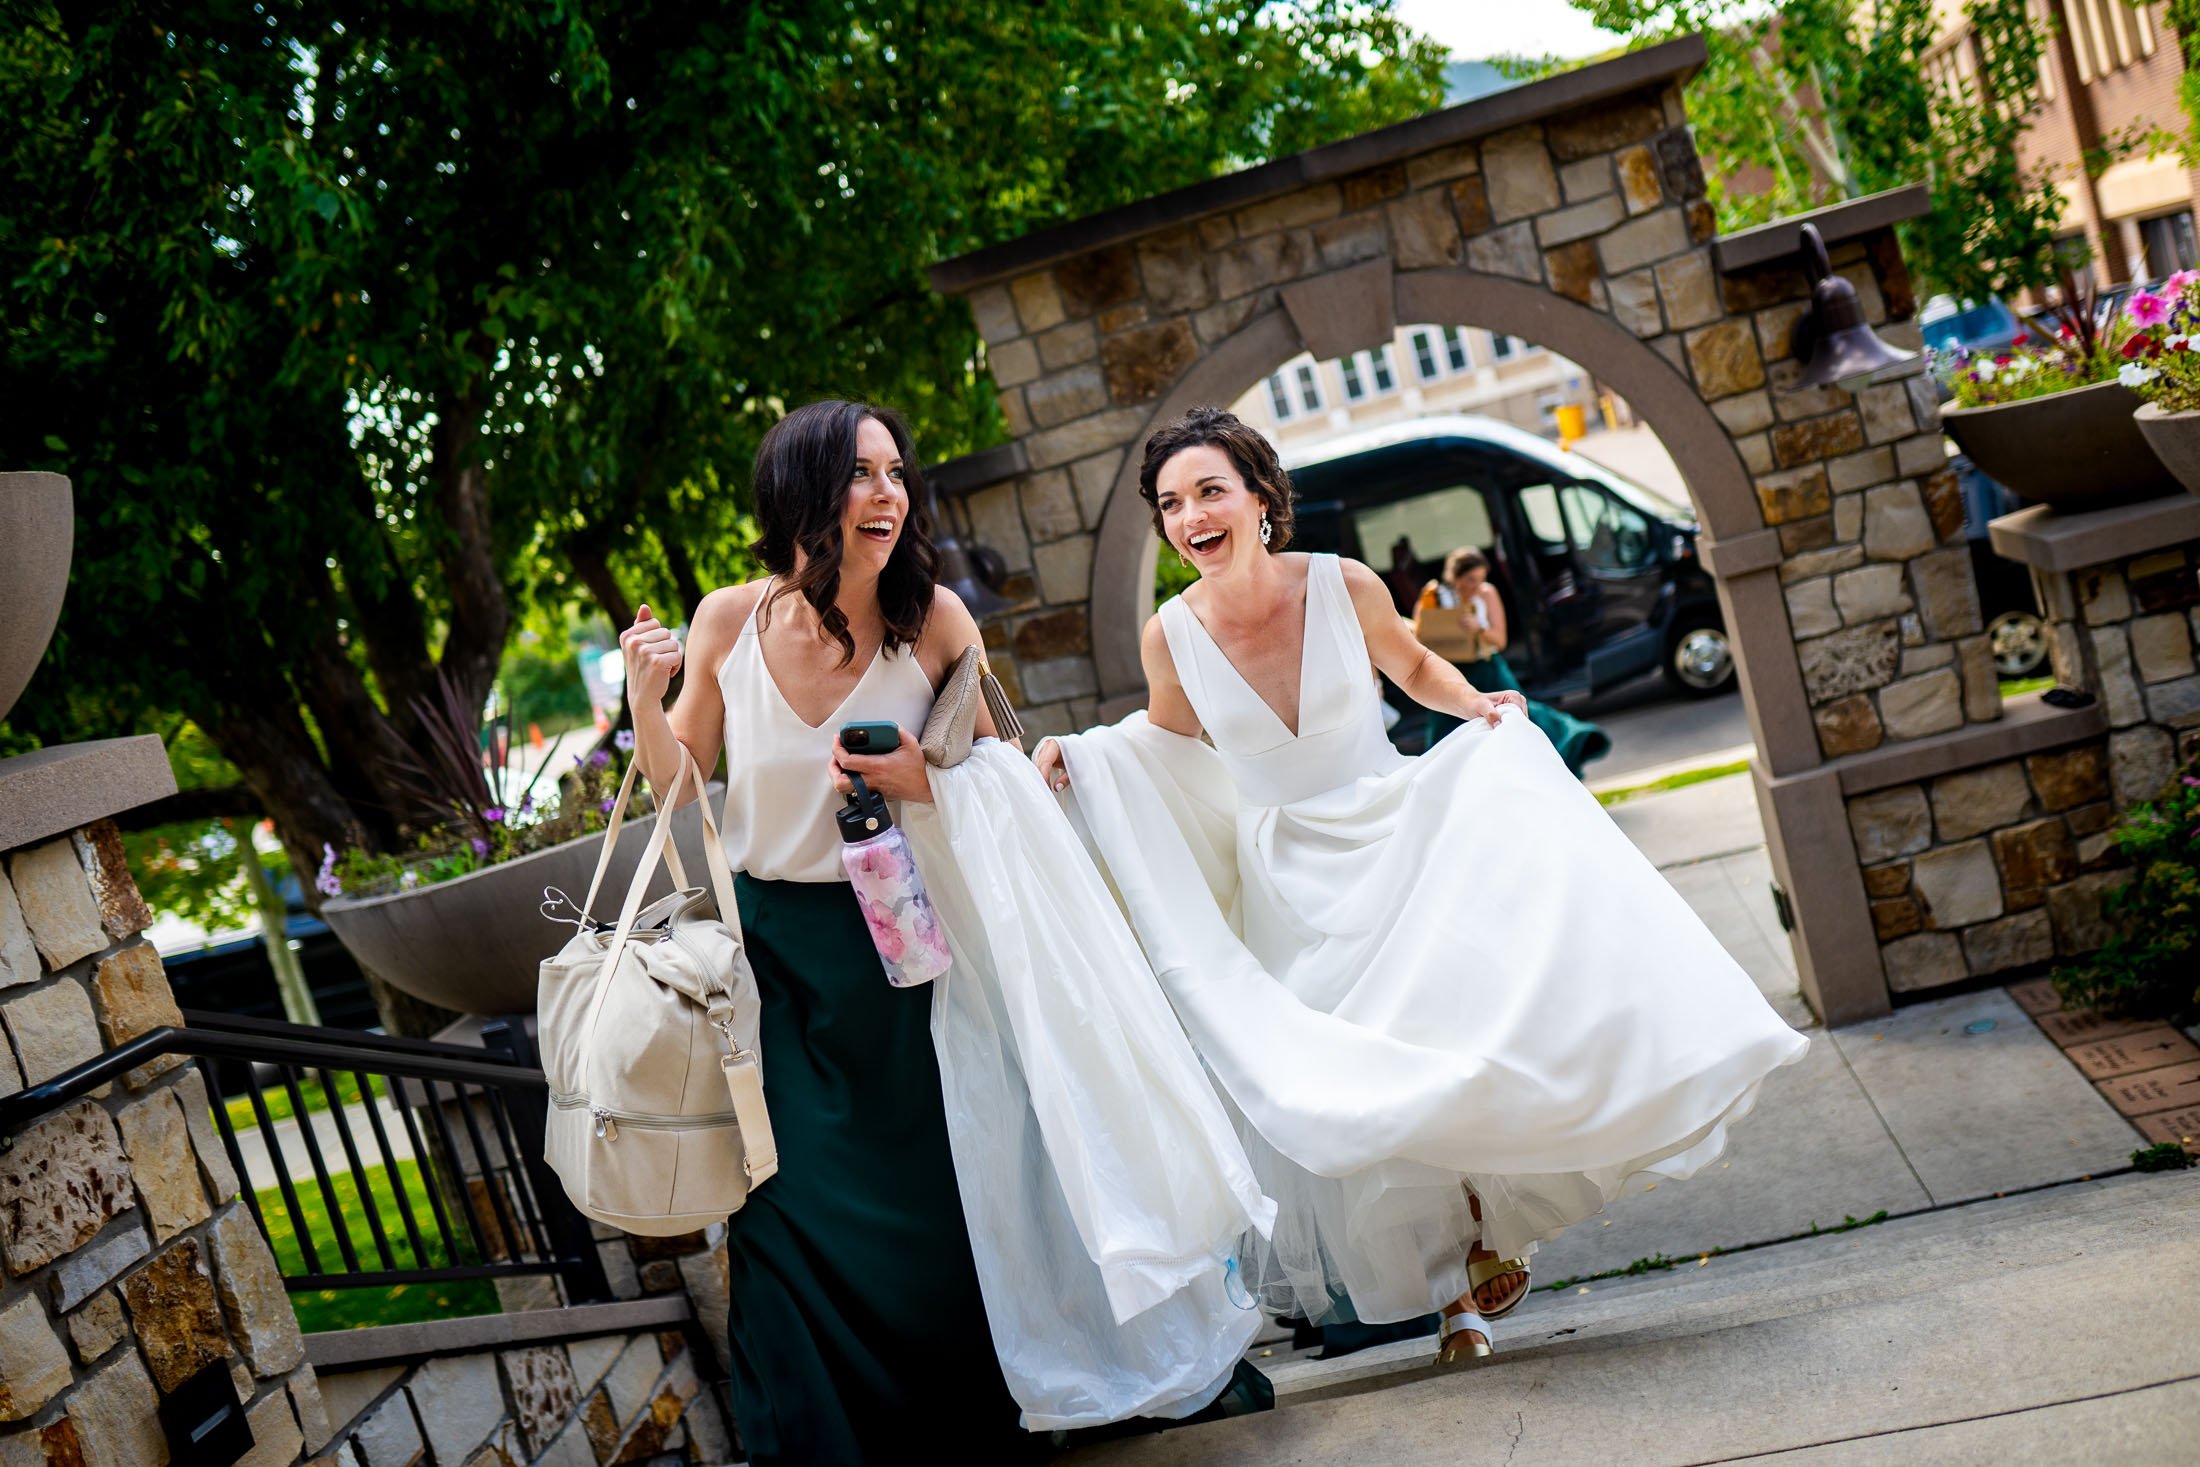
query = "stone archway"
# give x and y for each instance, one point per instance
(1570, 212)
(1718, 480)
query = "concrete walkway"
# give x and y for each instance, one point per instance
(1945, 1101)
(1928, 1337)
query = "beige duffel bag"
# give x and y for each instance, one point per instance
(644, 1032)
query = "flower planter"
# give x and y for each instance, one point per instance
(2175, 439)
(37, 538)
(473, 943)
(2074, 450)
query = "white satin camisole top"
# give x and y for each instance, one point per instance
(780, 799)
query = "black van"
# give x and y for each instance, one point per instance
(1599, 575)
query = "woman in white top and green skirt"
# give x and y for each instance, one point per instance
(857, 1325)
(961, 1239)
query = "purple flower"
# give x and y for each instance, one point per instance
(481, 847)
(599, 759)
(526, 803)
(2192, 782)
(327, 882)
(494, 814)
(605, 807)
(2147, 308)
(624, 738)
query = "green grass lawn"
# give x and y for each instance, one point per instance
(1673, 782)
(331, 1309)
(310, 1089)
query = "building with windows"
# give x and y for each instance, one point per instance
(2109, 74)
(1420, 370)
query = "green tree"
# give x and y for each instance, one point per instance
(358, 326)
(1814, 101)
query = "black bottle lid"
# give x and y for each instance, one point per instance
(865, 815)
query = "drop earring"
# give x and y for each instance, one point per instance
(1267, 531)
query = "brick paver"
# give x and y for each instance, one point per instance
(2148, 1070)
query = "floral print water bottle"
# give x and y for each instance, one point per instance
(883, 870)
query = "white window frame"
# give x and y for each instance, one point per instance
(1458, 350)
(1355, 386)
(1310, 387)
(1428, 360)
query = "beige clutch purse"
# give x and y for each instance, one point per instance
(954, 719)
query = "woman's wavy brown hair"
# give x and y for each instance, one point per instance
(1251, 455)
(803, 469)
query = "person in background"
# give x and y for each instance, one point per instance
(1462, 616)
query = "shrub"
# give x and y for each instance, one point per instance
(2150, 966)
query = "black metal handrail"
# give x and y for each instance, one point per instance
(493, 1207)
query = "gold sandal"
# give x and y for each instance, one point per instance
(1462, 1339)
(1481, 1271)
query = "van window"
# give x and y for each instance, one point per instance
(1436, 523)
(1610, 536)
(1539, 506)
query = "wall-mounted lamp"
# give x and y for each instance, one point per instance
(1833, 340)
(960, 569)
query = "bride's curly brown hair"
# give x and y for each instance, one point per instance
(1251, 454)
(803, 469)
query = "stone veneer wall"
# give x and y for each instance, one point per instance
(2004, 867)
(130, 1263)
(1604, 208)
(1989, 870)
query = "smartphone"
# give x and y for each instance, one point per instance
(881, 737)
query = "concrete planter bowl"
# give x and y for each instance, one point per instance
(2074, 450)
(473, 944)
(37, 539)
(2175, 439)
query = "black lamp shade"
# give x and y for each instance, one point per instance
(1842, 344)
(959, 573)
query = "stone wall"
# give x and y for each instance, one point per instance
(1604, 208)
(2126, 630)
(130, 1263)
(618, 1398)
(1991, 870)
(2003, 867)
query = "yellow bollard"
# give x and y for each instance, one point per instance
(1572, 423)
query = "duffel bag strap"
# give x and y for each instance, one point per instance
(759, 1149)
(636, 888)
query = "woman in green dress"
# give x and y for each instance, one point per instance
(858, 1331)
(1466, 596)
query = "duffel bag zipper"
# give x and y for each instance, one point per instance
(608, 1120)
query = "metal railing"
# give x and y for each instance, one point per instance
(470, 1121)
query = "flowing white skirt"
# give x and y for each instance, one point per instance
(1452, 970)
(1103, 1182)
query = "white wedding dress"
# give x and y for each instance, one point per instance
(1409, 973)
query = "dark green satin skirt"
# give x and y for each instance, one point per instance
(858, 1331)
(1576, 739)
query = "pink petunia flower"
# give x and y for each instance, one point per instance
(2148, 309)
(2176, 284)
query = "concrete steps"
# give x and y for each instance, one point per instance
(2051, 1326)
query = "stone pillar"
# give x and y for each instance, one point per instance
(130, 1261)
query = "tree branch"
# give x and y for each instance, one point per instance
(480, 616)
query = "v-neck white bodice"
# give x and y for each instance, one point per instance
(1340, 735)
(780, 799)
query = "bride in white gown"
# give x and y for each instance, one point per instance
(1437, 1061)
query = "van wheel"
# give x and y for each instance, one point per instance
(2018, 640)
(1699, 661)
